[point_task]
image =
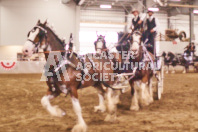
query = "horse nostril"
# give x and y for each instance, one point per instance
(26, 50)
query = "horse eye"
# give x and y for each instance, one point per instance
(34, 29)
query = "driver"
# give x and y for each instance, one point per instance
(135, 26)
(151, 25)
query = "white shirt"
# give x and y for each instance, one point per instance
(144, 17)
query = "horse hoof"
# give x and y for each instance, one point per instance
(79, 128)
(110, 118)
(173, 72)
(56, 111)
(134, 108)
(151, 100)
(99, 109)
(144, 103)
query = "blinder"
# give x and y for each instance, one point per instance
(42, 34)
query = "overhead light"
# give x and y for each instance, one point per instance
(153, 9)
(175, 0)
(195, 11)
(105, 6)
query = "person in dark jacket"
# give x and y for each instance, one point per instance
(135, 26)
(151, 27)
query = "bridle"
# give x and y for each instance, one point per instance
(100, 39)
(42, 35)
(135, 41)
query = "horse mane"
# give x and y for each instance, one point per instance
(56, 36)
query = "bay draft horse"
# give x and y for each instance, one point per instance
(143, 94)
(41, 36)
(140, 95)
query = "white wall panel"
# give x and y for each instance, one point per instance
(102, 16)
(103, 22)
(19, 16)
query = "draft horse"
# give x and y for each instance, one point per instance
(141, 75)
(63, 76)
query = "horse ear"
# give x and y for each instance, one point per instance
(45, 23)
(70, 35)
(38, 22)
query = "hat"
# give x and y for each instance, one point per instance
(134, 10)
(150, 11)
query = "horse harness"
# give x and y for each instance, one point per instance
(42, 34)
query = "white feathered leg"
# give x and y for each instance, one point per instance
(112, 101)
(101, 107)
(81, 125)
(184, 71)
(53, 110)
(134, 101)
(150, 91)
(173, 71)
(143, 94)
(167, 70)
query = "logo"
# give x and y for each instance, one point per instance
(174, 42)
(8, 65)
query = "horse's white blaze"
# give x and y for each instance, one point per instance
(28, 48)
(33, 35)
(53, 110)
(136, 41)
(99, 45)
(81, 126)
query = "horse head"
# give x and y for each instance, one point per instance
(136, 47)
(100, 44)
(35, 38)
(42, 37)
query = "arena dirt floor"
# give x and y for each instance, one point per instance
(21, 110)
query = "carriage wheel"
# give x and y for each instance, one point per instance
(162, 79)
(159, 84)
(159, 87)
(157, 90)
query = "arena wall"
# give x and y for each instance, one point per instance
(17, 18)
